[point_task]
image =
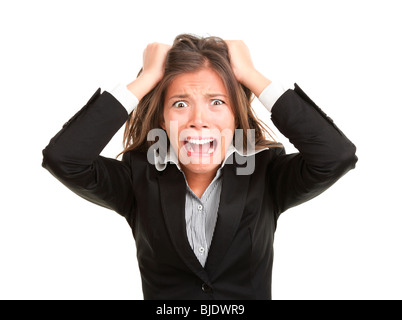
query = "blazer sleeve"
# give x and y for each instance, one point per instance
(325, 153)
(73, 155)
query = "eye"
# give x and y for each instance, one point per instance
(179, 104)
(217, 102)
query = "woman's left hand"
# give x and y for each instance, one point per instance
(244, 69)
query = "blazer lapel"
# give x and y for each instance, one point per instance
(173, 197)
(231, 207)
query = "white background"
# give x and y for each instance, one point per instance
(346, 55)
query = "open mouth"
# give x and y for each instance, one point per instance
(198, 146)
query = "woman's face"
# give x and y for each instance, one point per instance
(199, 120)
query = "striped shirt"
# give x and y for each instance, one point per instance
(201, 215)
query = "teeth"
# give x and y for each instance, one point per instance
(193, 142)
(200, 141)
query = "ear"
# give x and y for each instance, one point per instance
(162, 124)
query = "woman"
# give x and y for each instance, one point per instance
(200, 184)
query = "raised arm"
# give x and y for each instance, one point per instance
(325, 153)
(73, 154)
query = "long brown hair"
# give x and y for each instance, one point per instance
(190, 53)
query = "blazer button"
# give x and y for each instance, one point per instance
(206, 288)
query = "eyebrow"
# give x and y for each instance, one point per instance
(209, 95)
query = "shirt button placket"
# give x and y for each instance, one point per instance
(206, 288)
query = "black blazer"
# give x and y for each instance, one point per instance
(239, 264)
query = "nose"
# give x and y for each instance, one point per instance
(199, 116)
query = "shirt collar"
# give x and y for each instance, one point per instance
(162, 161)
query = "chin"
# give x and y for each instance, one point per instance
(201, 168)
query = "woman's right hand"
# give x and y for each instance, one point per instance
(154, 58)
